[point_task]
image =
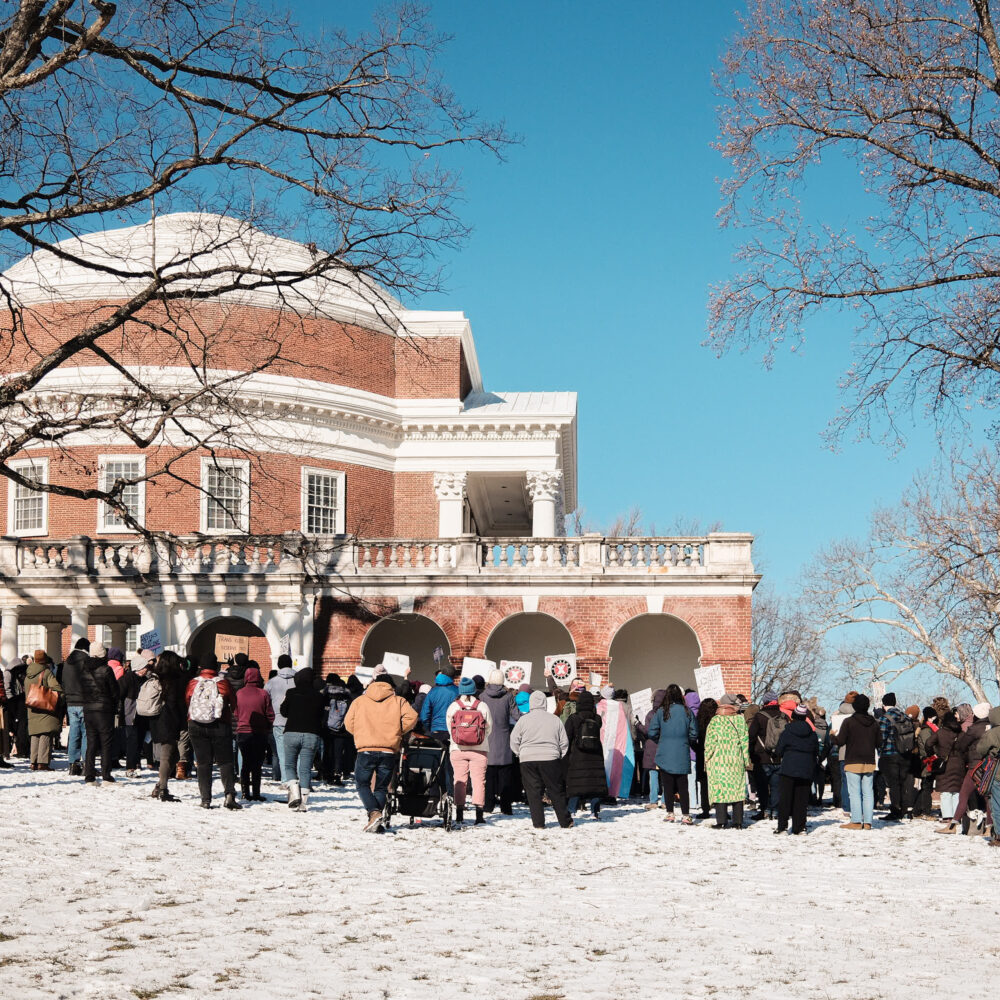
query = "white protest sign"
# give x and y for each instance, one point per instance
(550, 704)
(364, 674)
(151, 641)
(642, 703)
(397, 664)
(471, 666)
(516, 672)
(596, 680)
(561, 668)
(709, 682)
(285, 646)
(878, 692)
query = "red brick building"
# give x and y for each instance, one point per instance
(380, 499)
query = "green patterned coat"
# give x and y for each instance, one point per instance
(727, 756)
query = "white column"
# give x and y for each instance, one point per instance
(8, 635)
(79, 621)
(289, 619)
(118, 630)
(306, 632)
(450, 490)
(53, 640)
(153, 614)
(544, 489)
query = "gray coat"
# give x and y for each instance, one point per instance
(277, 688)
(505, 714)
(539, 736)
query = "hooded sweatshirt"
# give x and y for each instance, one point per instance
(539, 736)
(434, 711)
(845, 711)
(303, 706)
(860, 738)
(504, 712)
(254, 711)
(379, 719)
(277, 687)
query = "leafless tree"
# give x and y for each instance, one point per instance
(115, 115)
(923, 588)
(906, 95)
(788, 651)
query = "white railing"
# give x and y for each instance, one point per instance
(526, 554)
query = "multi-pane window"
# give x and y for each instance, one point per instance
(322, 502)
(131, 638)
(226, 497)
(118, 468)
(28, 508)
(30, 638)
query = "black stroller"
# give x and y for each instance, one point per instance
(418, 788)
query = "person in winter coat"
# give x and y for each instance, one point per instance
(136, 726)
(378, 721)
(649, 749)
(303, 709)
(522, 699)
(836, 752)
(418, 702)
(798, 748)
(500, 763)
(928, 725)
(706, 712)
(76, 747)
(100, 702)
(727, 760)
(539, 740)
(212, 734)
(674, 729)
(860, 737)
(434, 717)
(276, 688)
(949, 766)
(585, 775)
(693, 702)
(337, 744)
(43, 726)
(15, 710)
(989, 745)
(966, 745)
(765, 763)
(254, 718)
(894, 759)
(165, 728)
(469, 759)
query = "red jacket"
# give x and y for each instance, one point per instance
(225, 689)
(254, 711)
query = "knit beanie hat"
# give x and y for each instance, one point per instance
(801, 710)
(116, 654)
(913, 711)
(981, 710)
(861, 704)
(98, 651)
(40, 656)
(768, 696)
(889, 699)
(83, 644)
(467, 686)
(608, 693)
(284, 661)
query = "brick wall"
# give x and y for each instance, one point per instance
(416, 505)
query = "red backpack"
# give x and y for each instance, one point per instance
(468, 726)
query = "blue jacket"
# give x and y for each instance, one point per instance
(434, 710)
(798, 748)
(674, 736)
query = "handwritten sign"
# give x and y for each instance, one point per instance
(516, 672)
(472, 666)
(364, 674)
(227, 646)
(596, 680)
(151, 641)
(397, 664)
(285, 646)
(709, 682)
(642, 704)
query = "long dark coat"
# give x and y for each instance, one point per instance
(584, 769)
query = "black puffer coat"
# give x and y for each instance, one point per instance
(942, 744)
(98, 686)
(966, 743)
(74, 666)
(166, 727)
(585, 774)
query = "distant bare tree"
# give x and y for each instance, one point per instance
(906, 94)
(118, 114)
(787, 650)
(632, 523)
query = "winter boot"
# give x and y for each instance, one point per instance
(596, 811)
(182, 771)
(303, 805)
(76, 769)
(165, 796)
(294, 794)
(231, 802)
(374, 823)
(479, 817)
(459, 810)
(155, 793)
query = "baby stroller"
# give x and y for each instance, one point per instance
(418, 789)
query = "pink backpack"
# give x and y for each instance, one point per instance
(468, 727)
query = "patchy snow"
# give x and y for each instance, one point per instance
(108, 894)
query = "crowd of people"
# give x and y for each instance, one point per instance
(559, 748)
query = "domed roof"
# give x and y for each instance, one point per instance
(200, 250)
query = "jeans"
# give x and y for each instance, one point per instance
(278, 755)
(444, 739)
(300, 749)
(895, 768)
(654, 786)
(693, 790)
(574, 804)
(381, 765)
(336, 754)
(77, 748)
(861, 788)
(213, 744)
(135, 740)
(773, 779)
(100, 734)
(949, 803)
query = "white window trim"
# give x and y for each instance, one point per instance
(20, 464)
(207, 462)
(341, 519)
(102, 507)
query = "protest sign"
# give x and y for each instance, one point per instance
(227, 646)
(285, 646)
(363, 674)
(596, 680)
(397, 664)
(709, 682)
(471, 666)
(561, 668)
(642, 703)
(516, 672)
(151, 641)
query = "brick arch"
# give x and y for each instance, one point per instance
(496, 612)
(637, 609)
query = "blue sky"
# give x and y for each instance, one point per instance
(589, 268)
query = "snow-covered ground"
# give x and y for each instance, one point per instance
(106, 893)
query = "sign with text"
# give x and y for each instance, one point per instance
(878, 693)
(472, 666)
(709, 682)
(397, 664)
(561, 668)
(516, 672)
(227, 646)
(285, 646)
(596, 680)
(364, 674)
(642, 704)
(151, 640)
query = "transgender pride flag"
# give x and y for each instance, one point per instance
(619, 751)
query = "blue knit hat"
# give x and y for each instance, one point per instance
(467, 686)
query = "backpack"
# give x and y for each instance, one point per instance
(468, 727)
(906, 732)
(336, 713)
(589, 736)
(775, 727)
(150, 700)
(206, 702)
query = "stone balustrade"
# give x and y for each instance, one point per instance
(292, 555)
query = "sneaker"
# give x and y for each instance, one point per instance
(686, 821)
(852, 826)
(131, 773)
(650, 805)
(950, 828)
(669, 818)
(374, 822)
(76, 769)
(866, 826)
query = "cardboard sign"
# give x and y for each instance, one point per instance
(642, 704)
(227, 646)
(516, 672)
(561, 668)
(397, 664)
(285, 646)
(151, 640)
(709, 682)
(596, 680)
(364, 674)
(471, 666)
